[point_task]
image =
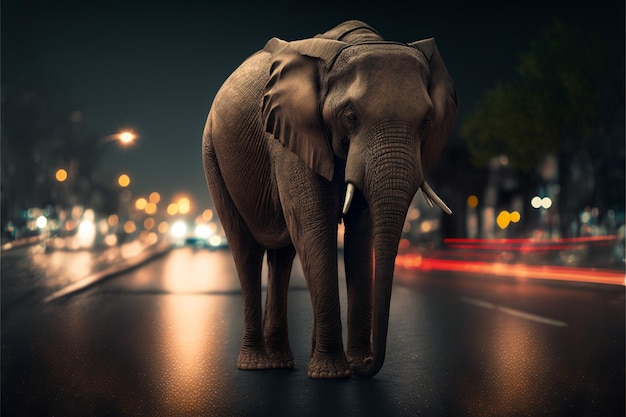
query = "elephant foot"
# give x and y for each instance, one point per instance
(251, 360)
(359, 358)
(281, 359)
(329, 367)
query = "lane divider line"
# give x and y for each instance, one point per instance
(514, 312)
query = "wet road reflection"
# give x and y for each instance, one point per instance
(188, 342)
(510, 369)
(162, 340)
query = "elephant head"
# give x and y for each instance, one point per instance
(373, 114)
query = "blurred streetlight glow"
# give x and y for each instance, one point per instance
(172, 209)
(207, 214)
(151, 208)
(546, 202)
(130, 227)
(203, 231)
(141, 203)
(126, 137)
(113, 220)
(163, 227)
(184, 205)
(148, 223)
(505, 218)
(61, 175)
(538, 202)
(154, 197)
(41, 222)
(179, 229)
(123, 180)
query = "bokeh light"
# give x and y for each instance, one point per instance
(184, 205)
(148, 223)
(127, 137)
(130, 227)
(505, 218)
(163, 227)
(207, 215)
(61, 175)
(538, 202)
(141, 203)
(123, 180)
(151, 208)
(113, 220)
(154, 197)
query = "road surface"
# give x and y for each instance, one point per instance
(162, 340)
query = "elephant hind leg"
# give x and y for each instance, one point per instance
(248, 258)
(275, 328)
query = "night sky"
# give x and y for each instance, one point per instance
(155, 66)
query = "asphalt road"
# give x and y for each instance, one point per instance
(162, 340)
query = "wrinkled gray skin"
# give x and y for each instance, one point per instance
(294, 124)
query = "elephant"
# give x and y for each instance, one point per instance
(307, 134)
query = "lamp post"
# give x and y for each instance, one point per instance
(124, 137)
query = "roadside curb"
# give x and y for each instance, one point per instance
(112, 271)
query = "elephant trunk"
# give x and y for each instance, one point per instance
(391, 179)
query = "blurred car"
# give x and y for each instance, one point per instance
(201, 236)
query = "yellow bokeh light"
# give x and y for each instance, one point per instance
(472, 201)
(163, 227)
(154, 197)
(141, 203)
(61, 175)
(503, 220)
(515, 216)
(129, 227)
(113, 220)
(172, 209)
(207, 215)
(184, 205)
(151, 238)
(123, 180)
(151, 208)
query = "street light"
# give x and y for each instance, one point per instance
(125, 137)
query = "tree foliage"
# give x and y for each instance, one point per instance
(563, 98)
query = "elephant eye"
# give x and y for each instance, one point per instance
(350, 119)
(425, 124)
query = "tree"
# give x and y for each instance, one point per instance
(568, 101)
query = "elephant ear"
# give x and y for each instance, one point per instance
(292, 99)
(445, 102)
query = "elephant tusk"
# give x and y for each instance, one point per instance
(428, 200)
(432, 197)
(348, 199)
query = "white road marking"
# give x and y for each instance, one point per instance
(478, 303)
(514, 312)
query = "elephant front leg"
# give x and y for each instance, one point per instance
(328, 359)
(311, 205)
